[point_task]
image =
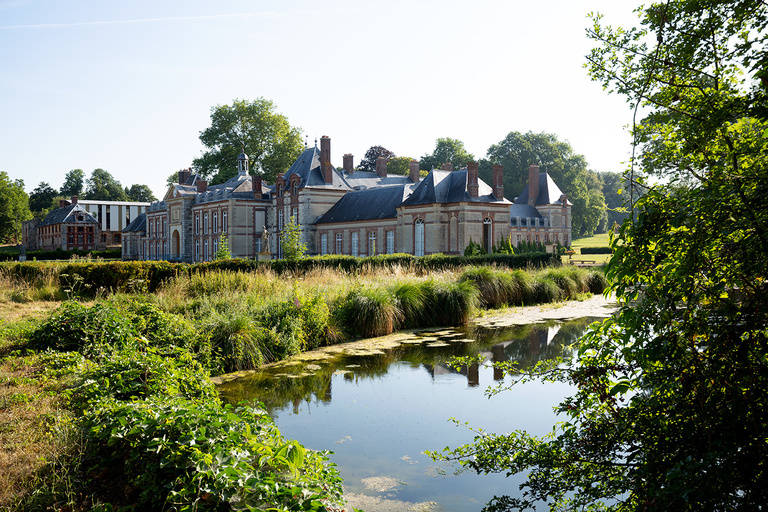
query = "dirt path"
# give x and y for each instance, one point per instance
(597, 305)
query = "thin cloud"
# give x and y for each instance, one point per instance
(144, 20)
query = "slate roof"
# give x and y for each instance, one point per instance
(369, 204)
(307, 167)
(139, 224)
(449, 187)
(524, 211)
(68, 214)
(549, 193)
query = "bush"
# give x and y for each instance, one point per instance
(596, 250)
(449, 303)
(369, 311)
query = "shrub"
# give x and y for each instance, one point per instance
(449, 303)
(237, 342)
(596, 250)
(410, 300)
(369, 312)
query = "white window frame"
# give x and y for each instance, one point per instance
(371, 243)
(205, 223)
(205, 250)
(355, 247)
(224, 222)
(215, 222)
(339, 243)
(323, 244)
(197, 223)
(418, 237)
(197, 250)
(390, 242)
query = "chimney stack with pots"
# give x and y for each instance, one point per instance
(381, 166)
(184, 176)
(74, 199)
(348, 163)
(447, 166)
(202, 185)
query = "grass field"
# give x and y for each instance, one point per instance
(600, 240)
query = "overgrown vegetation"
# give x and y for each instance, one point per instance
(127, 414)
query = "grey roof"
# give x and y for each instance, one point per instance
(449, 187)
(307, 167)
(369, 204)
(549, 193)
(365, 179)
(68, 214)
(139, 224)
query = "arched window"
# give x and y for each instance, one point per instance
(418, 237)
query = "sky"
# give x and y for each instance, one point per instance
(129, 86)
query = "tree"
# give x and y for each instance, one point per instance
(254, 127)
(140, 193)
(670, 410)
(14, 208)
(40, 198)
(368, 163)
(73, 183)
(292, 244)
(104, 187)
(223, 251)
(447, 150)
(399, 165)
(569, 170)
(616, 210)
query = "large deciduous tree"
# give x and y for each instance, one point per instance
(670, 410)
(255, 127)
(104, 187)
(41, 197)
(447, 150)
(14, 208)
(141, 193)
(569, 170)
(73, 183)
(368, 162)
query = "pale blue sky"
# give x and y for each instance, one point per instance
(128, 86)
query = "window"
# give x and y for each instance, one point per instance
(390, 242)
(205, 249)
(149, 231)
(295, 187)
(205, 223)
(197, 250)
(418, 237)
(372, 243)
(280, 219)
(324, 244)
(215, 222)
(224, 222)
(197, 223)
(488, 234)
(280, 190)
(339, 243)
(354, 247)
(258, 244)
(295, 215)
(157, 250)
(164, 219)
(215, 244)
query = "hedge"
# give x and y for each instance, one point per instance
(596, 250)
(61, 254)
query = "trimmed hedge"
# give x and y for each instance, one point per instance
(596, 250)
(61, 254)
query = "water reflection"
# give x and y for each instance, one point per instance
(378, 406)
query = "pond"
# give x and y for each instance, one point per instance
(379, 404)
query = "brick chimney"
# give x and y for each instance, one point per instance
(184, 175)
(414, 171)
(348, 163)
(257, 187)
(498, 182)
(325, 159)
(447, 166)
(472, 186)
(381, 166)
(74, 199)
(63, 203)
(533, 184)
(202, 185)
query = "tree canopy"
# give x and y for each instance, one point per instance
(254, 127)
(447, 150)
(14, 208)
(73, 183)
(368, 162)
(670, 410)
(568, 169)
(41, 197)
(140, 193)
(103, 186)
(399, 165)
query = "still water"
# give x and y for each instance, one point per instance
(379, 407)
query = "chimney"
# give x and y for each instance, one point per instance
(498, 182)
(325, 159)
(447, 166)
(381, 166)
(257, 187)
(74, 199)
(414, 168)
(472, 186)
(184, 175)
(202, 185)
(63, 203)
(348, 163)
(533, 184)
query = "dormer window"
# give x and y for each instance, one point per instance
(295, 189)
(280, 190)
